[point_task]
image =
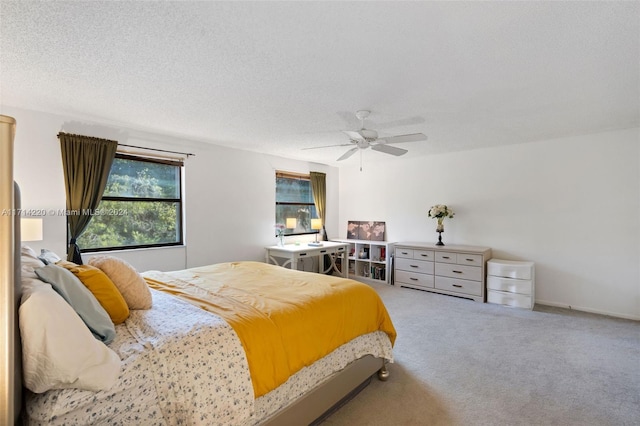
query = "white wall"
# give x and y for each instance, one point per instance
(229, 194)
(571, 205)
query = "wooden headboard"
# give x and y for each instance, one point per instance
(10, 282)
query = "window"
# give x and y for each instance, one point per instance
(294, 199)
(141, 206)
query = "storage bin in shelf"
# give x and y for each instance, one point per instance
(369, 260)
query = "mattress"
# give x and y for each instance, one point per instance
(285, 319)
(184, 365)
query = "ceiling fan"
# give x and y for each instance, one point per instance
(366, 138)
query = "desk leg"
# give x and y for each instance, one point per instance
(274, 261)
(345, 264)
(333, 267)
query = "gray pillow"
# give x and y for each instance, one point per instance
(48, 257)
(81, 300)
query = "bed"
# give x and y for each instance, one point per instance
(193, 356)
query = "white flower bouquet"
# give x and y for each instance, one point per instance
(439, 212)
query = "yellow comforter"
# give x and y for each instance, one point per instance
(285, 319)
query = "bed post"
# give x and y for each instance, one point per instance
(383, 373)
(10, 380)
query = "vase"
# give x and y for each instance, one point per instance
(281, 240)
(440, 230)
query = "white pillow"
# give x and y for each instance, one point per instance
(30, 262)
(58, 350)
(132, 286)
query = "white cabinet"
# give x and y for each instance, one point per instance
(369, 260)
(455, 270)
(511, 283)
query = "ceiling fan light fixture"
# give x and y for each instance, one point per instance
(368, 134)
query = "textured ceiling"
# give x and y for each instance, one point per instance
(278, 77)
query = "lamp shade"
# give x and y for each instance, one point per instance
(291, 222)
(316, 223)
(31, 229)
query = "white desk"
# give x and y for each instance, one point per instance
(292, 253)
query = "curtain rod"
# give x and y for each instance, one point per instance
(188, 154)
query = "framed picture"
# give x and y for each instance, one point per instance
(366, 230)
(352, 229)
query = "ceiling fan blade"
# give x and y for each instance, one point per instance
(347, 154)
(355, 136)
(413, 137)
(329, 146)
(389, 149)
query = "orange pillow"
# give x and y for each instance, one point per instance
(102, 288)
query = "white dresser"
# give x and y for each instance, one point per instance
(511, 283)
(455, 270)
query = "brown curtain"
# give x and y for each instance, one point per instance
(86, 162)
(319, 189)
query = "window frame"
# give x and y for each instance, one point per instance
(312, 204)
(180, 208)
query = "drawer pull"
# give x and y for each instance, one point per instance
(469, 260)
(414, 266)
(446, 257)
(457, 272)
(457, 285)
(323, 251)
(413, 279)
(424, 255)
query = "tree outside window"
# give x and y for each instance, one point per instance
(141, 206)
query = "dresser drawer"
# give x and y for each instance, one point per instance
(469, 259)
(459, 271)
(405, 253)
(446, 257)
(424, 255)
(414, 279)
(413, 265)
(510, 285)
(509, 299)
(510, 269)
(473, 288)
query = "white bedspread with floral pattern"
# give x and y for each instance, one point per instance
(181, 365)
(186, 366)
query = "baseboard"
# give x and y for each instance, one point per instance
(588, 310)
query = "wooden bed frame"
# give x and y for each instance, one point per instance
(309, 408)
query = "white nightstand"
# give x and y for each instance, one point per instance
(511, 283)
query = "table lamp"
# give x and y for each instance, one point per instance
(291, 223)
(317, 225)
(31, 229)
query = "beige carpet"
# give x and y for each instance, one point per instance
(458, 362)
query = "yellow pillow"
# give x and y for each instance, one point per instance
(102, 288)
